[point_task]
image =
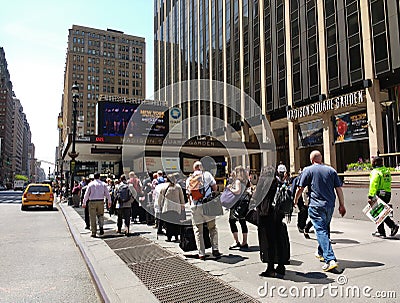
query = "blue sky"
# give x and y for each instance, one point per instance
(34, 37)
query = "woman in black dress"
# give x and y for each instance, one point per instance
(272, 232)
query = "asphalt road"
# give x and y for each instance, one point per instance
(39, 260)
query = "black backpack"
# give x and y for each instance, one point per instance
(241, 207)
(124, 193)
(283, 202)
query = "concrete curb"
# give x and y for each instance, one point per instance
(114, 281)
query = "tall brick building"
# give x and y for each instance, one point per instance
(104, 63)
(15, 134)
(6, 122)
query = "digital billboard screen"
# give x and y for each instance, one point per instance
(149, 120)
(351, 126)
(114, 119)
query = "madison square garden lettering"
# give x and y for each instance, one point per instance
(335, 103)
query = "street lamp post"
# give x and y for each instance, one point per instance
(73, 154)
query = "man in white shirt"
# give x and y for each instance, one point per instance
(198, 218)
(157, 210)
(95, 193)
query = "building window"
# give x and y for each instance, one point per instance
(332, 67)
(355, 58)
(380, 46)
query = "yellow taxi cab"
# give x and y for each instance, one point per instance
(37, 195)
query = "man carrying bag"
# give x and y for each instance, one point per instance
(126, 194)
(200, 186)
(380, 186)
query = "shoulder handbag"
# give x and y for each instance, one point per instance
(228, 198)
(241, 208)
(212, 204)
(253, 216)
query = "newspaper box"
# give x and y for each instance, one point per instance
(378, 212)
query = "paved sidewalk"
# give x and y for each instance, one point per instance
(371, 267)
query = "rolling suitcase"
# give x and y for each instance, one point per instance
(135, 211)
(187, 241)
(150, 220)
(142, 214)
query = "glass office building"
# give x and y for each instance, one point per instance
(326, 73)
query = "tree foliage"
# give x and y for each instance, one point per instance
(21, 177)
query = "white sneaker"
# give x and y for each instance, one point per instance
(319, 257)
(329, 266)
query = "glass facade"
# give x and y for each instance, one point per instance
(282, 53)
(194, 36)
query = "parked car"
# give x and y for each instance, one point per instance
(38, 195)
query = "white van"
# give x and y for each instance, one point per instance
(19, 184)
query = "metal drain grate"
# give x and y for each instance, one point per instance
(142, 253)
(125, 242)
(175, 280)
(158, 274)
(202, 291)
(168, 277)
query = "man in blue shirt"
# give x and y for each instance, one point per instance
(322, 182)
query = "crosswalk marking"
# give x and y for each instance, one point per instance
(10, 198)
(10, 201)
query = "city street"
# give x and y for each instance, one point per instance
(41, 263)
(39, 260)
(223, 111)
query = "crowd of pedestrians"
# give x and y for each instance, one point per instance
(159, 200)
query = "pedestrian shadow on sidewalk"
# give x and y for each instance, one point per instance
(295, 262)
(393, 238)
(340, 241)
(336, 232)
(231, 259)
(251, 248)
(228, 259)
(139, 233)
(110, 233)
(358, 264)
(111, 236)
(313, 277)
(344, 241)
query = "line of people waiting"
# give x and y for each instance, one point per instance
(165, 197)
